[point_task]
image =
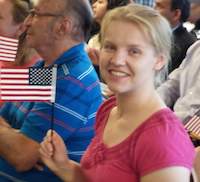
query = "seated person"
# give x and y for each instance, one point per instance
(100, 7)
(52, 30)
(195, 17)
(12, 15)
(177, 12)
(181, 90)
(137, 137)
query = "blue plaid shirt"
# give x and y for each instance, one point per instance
(145, 2)
(78, 97)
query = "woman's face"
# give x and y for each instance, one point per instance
(128, 59)
(99, 8)
(8, 27)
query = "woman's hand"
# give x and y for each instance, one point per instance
(53, 152)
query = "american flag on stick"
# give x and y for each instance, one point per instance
(31, 84)
(8, 48)
(193, 125)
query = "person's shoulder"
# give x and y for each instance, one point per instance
(166, 115)
(161, 123)
(183, 37)
(193, 51)
(77, 65)
(166, 141)
(39, 63)
(195, 46)
(104, 110)
(108, 104)
(162, 116)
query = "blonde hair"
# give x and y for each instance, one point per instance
(154, 26)
(21, 9)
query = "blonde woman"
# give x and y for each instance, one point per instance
(138, 139)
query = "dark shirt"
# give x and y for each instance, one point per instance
(182, 41)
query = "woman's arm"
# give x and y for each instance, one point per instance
(169, 174)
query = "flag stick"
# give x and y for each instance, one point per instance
(53, 102)
(52, 118)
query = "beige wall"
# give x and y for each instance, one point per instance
(34, 1)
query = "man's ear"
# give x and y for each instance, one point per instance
(160, 63)
(65, 26)
(176, 15)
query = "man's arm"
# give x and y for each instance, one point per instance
(170, 91)
(177, 81)
(3, 123)
(197, 163)
(17, 149)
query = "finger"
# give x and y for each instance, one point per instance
(47, 147)
(58, 144)
(44, 153)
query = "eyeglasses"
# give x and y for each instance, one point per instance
(33, 13)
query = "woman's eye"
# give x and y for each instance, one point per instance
(134, 51)
(108, 47)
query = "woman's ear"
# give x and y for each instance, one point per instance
(160, 63)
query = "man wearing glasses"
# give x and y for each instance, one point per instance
(57, 30)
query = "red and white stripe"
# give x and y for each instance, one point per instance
(8, 48)
(193, 125)
(14, 86)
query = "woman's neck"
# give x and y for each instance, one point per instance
(134, 104)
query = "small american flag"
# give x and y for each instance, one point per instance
(31, 84)
(193, 125)
(8, 48)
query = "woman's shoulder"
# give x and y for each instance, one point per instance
(163, 116)
(104, 111)
(166, 141)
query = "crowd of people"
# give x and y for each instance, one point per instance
(135, 135)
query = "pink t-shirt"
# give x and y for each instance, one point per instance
(158, 142)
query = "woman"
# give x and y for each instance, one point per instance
(137, 137)
(100, 7)
(12, 25)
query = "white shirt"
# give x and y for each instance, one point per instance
(182, 89)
